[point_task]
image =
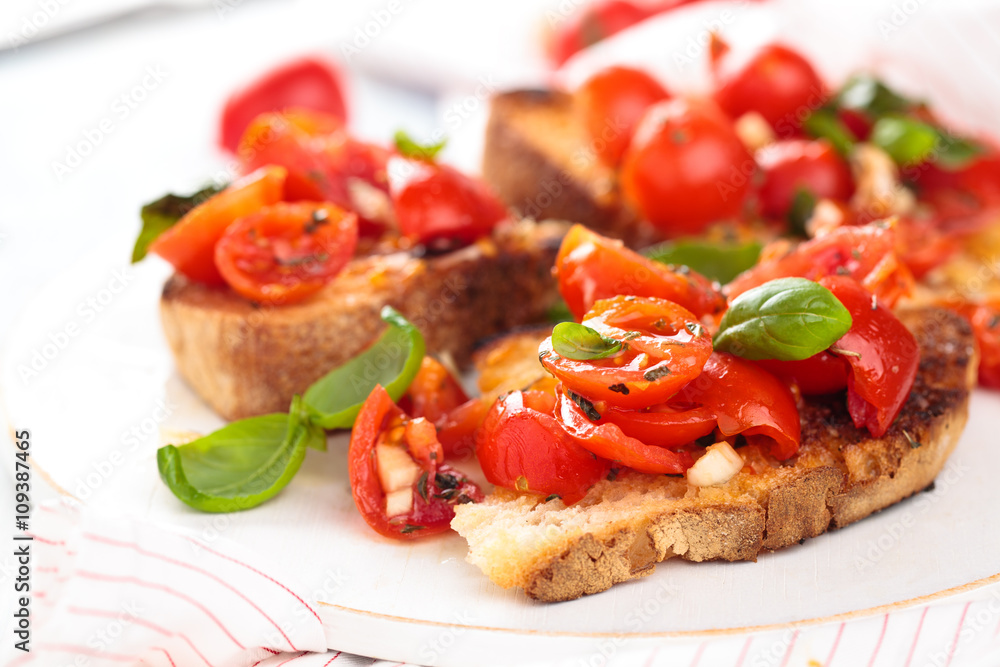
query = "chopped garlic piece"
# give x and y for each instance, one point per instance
(716, 466)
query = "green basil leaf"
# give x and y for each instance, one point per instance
(242, 464)
(715, 261)
(576, 341)
(824, 123)
(867, 94)
(956, 153)
(787, 319)
(392, 361)
(162, 214)
(407, 147)
(803, 204)
(907, 141)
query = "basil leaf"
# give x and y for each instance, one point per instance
(392, 361)
(907, 141)
(162, 214)
(407, 147)
(824, 123)
(715, 261)
(866, 93)
(787, 319)
(576, 341)
(242, 464)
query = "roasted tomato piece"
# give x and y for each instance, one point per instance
(307, 83)
(662, 425)
(522, 447)
(882, 353)
(686, 167)
(607, 440)
(399, 481)
(866, 254)
(779, 84)
(591, 267)
(436, 395)
(613, 101)
(747, 400)
(190, 244)
(286, 252)
(799, 165)
(436, 202)
(822, 373)
(985, 320)
(663, 346)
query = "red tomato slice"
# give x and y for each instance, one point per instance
(664, 347)
(283, 253)
(866, 254)
(190, 244)
(985, 320)
(822, 373)
(791, 166)
(435, 202)
(437, 395)
(662, 425)
(613, 101)
(591, 267)
(522, 447)
(457, 429)
(307, 83)
(882, 353)
(748, 400)
(779, 84)
(433, 498)
(609, 442)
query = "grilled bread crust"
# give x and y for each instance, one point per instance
(540, 159)
(244, 359)
(840, 475)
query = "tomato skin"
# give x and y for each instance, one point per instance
(306, 83)
(522, 447)
(434, 201)
(796, 164)
(866, 254)
(432, 515)
(591, 267)
(662, 425)
(779, 84)
(457, 429)
(284, 253)
(748, 400)
(820, 374)
(884, 360)
(436, 395)
(663, 341)
(593, 23)
(190, 244)
(609, 442)
(686, 167)
(985, 320)
(613, 101)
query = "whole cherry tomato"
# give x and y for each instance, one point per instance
(307, 83)
(433, 493)
(779, 84)
(591, 267)
(686, 167)
(798, 164)
(190, 244)
(613, 101)
(286, 252)
(522, 447)
(663, 346)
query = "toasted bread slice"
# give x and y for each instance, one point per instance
(246, 360)
(540, 160)
(622, 528)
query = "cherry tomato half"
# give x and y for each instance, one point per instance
(190, 244)
(779, 84)
(613, 101)
(686, 167)
(746, 400)
(434, 201)
(436, 395)
(663, 347)
(822, 373)
(283, 253)
(608, 441)
(307, 83)
(522, 447)
(435, 492)
(591, 267)
(798, 164)
(882, 353)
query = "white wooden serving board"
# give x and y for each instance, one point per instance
(97, 406)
